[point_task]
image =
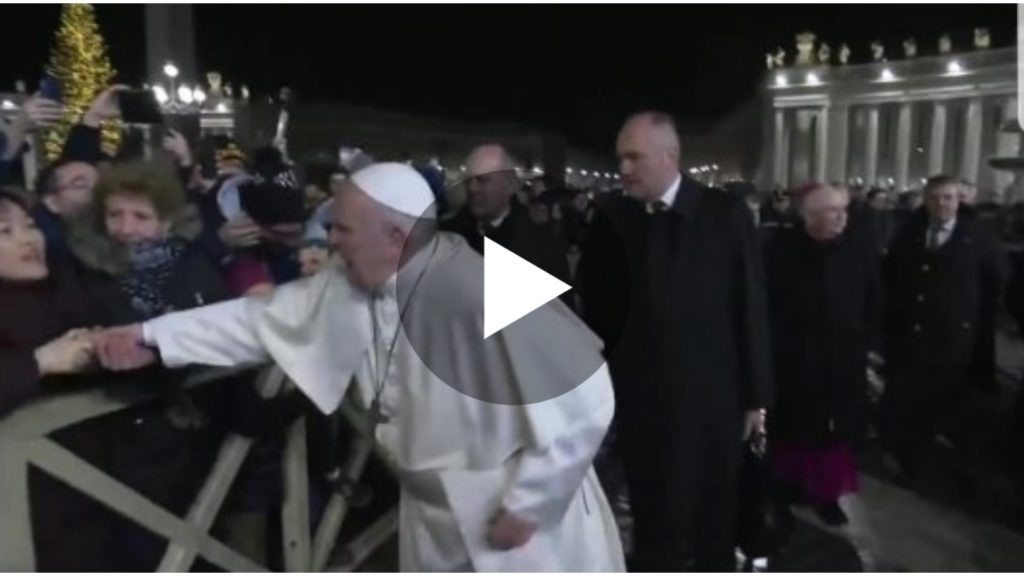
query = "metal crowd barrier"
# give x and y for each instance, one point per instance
(24, 441)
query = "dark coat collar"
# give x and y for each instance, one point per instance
(688, 198)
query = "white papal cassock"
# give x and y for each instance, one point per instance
(460, 459)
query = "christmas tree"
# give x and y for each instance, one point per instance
(80, 65)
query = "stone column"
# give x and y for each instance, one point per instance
(821, 147)
(1007, 145)
(972, 141)
(780, 171)
(902, 160)
(170, 35)
(801, 149)
(871, 148)
(838, 140)
(937, 139)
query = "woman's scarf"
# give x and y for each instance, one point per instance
(152, 265)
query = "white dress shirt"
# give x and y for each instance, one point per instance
(939, 234)
(669, 197)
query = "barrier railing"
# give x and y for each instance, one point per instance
(24, 441)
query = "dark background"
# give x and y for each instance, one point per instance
(573, 69)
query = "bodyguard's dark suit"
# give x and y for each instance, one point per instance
(934, 297)
(536, 244)
(678, 297)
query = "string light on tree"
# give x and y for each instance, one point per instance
(79, 63)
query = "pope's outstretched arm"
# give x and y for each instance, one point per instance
(317, 330)
(219, 335)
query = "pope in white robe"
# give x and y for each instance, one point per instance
(484, 486)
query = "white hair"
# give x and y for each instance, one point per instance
(812, 199)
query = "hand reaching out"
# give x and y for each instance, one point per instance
(71, 353)
(36, 112)
(39, 112)
(123, 349)
(104, 107)
(177, 145)
(241, 232)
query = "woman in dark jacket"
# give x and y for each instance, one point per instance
(824, 299)
(46, 342)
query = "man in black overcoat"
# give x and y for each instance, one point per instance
(940, 270)
(671, 279)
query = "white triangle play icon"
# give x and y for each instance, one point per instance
(513, 287)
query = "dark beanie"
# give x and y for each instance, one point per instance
(273, 196)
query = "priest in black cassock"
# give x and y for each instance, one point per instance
(671, 278)
(492, 210)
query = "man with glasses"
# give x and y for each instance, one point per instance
(65, 191)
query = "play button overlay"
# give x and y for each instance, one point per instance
(513, 287)
(491, 326)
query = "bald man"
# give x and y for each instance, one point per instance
(671, 279)
(492, 210)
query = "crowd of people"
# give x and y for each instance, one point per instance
(728, 317)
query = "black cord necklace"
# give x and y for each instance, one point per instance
(381, 372)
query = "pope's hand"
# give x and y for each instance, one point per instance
(508, 531)
(122, 349)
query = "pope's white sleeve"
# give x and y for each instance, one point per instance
(219, 335)
(549, 476)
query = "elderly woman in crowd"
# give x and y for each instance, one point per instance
(138, 243)
(140, 247)
(824, 297)
(135, 249)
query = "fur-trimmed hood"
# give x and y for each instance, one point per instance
(94, 249)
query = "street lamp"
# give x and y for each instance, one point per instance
(185, 94)
(199, 96)
(171, 71)
(161, 94)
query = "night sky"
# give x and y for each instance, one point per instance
(576, 70)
